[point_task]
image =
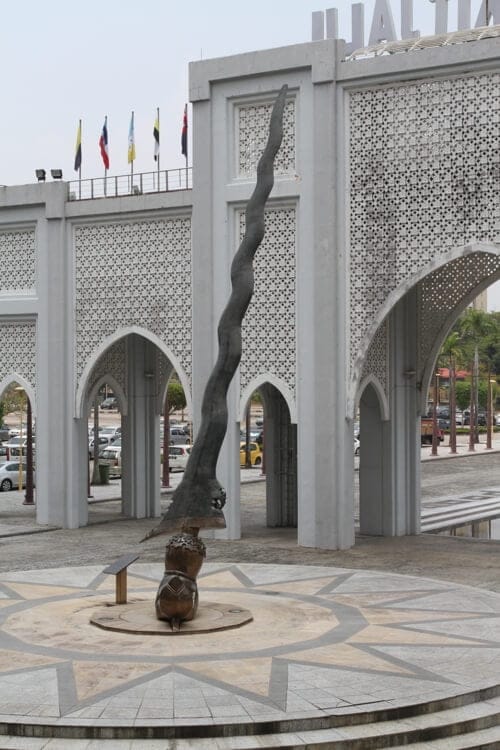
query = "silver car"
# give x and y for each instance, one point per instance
(9, 475)
(112, 456)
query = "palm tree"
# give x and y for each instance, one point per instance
(474, 326)
(452, 350)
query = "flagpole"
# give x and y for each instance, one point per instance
(131, 147)
(158, 157)
(80, 167)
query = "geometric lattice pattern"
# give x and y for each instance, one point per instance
(440, 292)
(133, 273)
(376, 360)
(253, 130)
(268, 329)
(18, 347)
(424, 178)
(17, 261)
(112, 362)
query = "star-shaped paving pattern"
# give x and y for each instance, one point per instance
(322, 640)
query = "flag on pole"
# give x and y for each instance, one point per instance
(184, 136)
(156, 136)
(78, 148)
(131, 141)
(103, 144)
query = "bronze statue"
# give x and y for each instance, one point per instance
(198, 500)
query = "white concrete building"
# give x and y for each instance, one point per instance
(383, 225)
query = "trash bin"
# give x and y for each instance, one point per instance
(104, 473)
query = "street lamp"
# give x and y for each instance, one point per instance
(435, 436)
(489, 414)
(20, 390)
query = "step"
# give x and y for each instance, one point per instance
(474, 725)
(483, 739)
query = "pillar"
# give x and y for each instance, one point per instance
(141, 432)
(402, 446)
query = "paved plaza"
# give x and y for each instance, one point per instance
(326, 644)
(339, 640)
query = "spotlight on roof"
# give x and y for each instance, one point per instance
(56, 174)
(40, 175)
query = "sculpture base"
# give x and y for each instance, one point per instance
(140, 618)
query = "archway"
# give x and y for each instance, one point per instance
(280, 457)
(19, 450)
(373, 435)
(138, 369)
(400, 360)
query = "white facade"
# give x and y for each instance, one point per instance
(383, 224)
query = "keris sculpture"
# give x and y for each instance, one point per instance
(199, 498)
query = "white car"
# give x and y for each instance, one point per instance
(178, 456)
(9, 475)
(103, 443)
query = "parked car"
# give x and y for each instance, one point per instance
(178, 436)
(178, 456)
(4, 433)
(256, 435)
(481, 417)
(109, 403)
(356, 446)
(112, 457)
(103, 442)
(9, 475)
(255, 454)
(111, 432)
(14, 447)
(4, 454)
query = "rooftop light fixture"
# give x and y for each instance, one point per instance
(40, 175)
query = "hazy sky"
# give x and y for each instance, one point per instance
(62, 60)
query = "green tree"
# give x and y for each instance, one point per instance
(13, 400)
(175, 396)
(462, 393)
(452, 351)
(475, 326)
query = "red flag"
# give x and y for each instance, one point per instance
(103, 144)
(184, 136)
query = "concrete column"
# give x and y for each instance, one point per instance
(78, 476)
(374, 501)
(56, 500)
(280, 445)
(141, 432)
(402, 478)
(325, 463)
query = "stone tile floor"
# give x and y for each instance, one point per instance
(324, 641)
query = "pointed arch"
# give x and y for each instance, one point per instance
(117, 390)
(122, 333)
(397, 294)
(280, 386)
(379, 390)
(16, 378)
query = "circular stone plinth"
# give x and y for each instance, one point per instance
(140, 618)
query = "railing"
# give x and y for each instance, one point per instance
(126, 184)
